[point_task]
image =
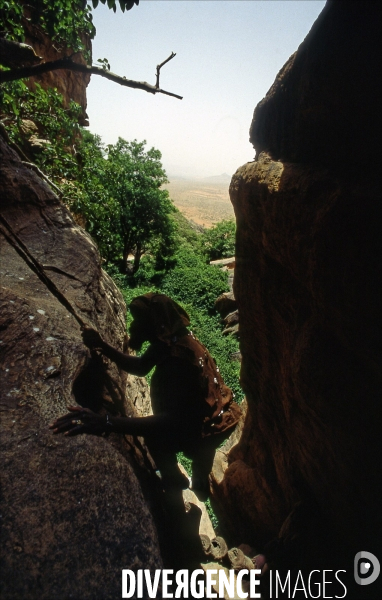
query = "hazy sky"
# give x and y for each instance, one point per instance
(228, 54)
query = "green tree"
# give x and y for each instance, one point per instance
(134, 178)
(89, 198)
(113, 191)
(219, 241)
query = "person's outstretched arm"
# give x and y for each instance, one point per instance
(136, 365)
(83, 420)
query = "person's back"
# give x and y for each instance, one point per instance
(175, 389)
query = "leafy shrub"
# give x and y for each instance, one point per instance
(219, 241)
(186, 234)
(193, 282)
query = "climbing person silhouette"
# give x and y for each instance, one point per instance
(193, 410)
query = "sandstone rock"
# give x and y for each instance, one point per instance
(37, 144)
(232, 318)
(206, 542)
(231, 324)
(231, 275)
(226, 303)
(28, 127)
(239, 560)
(306, 283)
(205, 525)
(138, 393)
(232, 330)
(248, 550)
(229, 263)
(218, 549)
(221, 457)
(73, 514)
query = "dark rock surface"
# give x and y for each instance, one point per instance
(72, 511)
(307, 288)
(226, 303)
(324, 106)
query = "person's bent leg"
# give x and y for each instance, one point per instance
(202, 455)
(166, 462)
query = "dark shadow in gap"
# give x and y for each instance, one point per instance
(89, 384)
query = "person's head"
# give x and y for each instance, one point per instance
(141, 328)
(156, 317)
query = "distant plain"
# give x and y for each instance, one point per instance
(203, 201)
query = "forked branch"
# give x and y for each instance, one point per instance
(161, 65)
(68, 63)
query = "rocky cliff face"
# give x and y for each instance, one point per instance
(73, 514)
(71, 85)
(306, 284)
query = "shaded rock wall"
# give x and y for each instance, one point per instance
(323, 107)
(72, 511)
(307, 283)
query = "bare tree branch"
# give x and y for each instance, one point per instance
(161, 65)
(67, 63)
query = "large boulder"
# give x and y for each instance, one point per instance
(323, 107)
(73, 514)
(306, 284)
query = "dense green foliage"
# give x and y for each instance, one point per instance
(88, 197)
(119, 194)
(56, 124)
(11, 15)
(186, 234)
(66, 22)
(124, 4)
(219, 241)
(134, 178)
